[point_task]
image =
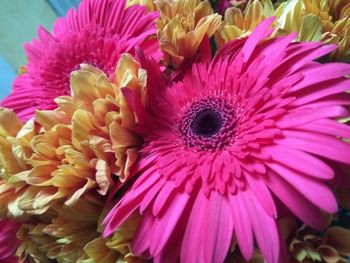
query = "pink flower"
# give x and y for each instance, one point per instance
(96, 33)
(255, 125)
(8, 241)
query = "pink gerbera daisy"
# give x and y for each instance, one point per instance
(8, 241)
(97, 33)
(255, 125)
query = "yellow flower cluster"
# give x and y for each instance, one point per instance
(182, 26)
(238, 23)
(58, 168)
(316, 20)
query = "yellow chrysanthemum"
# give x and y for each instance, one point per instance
(85, 144)
(73, 234)
(238, 24)
(325, 20)
(57, 169)
(182, 26)
(116, 248)
(60, 234)
(16, 196)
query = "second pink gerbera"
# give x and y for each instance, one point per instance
(256, 124)
(97, 33)
(8, 241)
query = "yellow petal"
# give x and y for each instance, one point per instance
(82, 125)
(103, 177)
(89, 83)
(311, 28)
(9, 123)
(48, 119)
(77, 194)
(122, 137)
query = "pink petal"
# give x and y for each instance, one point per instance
(273, 53)
(142, 238)
(295, 201)
(172, 250)
(162, 198)
(322, 73)
(321, 90)
(261, 31)
(292, 158)
(301, 116)
(130, 202)
(150, 195)
(317, 192)
(326, 126)
(218, 234)
(192, 244)
(337, 99)
(165, 223)
(319, 144)
(299, 54)
(242, 225)
(262, 194)
(265, 228)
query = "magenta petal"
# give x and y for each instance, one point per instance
(290, 157)
(262, 31)
(242, 225)
(298, 54)
(118, 215)
(130, 203)
(192, 245)
(142, 237)
(25, 101)
(295, 201)
(317, 192)
(150, 195)
(319, 144)
(326, 126)
(8, 239)
(307, 115)
(162, 198)
(265, 228)
(321, 90)
(166, 222)
(322, 73)
(262, 194)
(218, 234)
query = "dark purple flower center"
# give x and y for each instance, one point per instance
(208, 124)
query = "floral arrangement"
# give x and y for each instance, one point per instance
(180, 131)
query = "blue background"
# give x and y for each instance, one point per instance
(18, 25)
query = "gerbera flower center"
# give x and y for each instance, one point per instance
(208, 123)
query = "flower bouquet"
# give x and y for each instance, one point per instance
(180, 131)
